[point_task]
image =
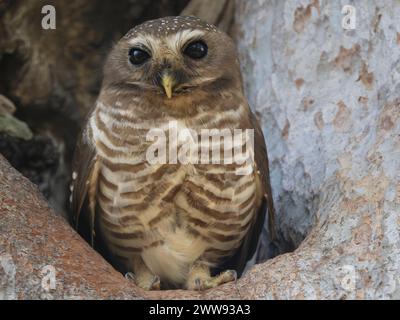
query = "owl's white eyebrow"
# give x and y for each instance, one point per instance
(175, 41)
(146, 41)
(179, 39)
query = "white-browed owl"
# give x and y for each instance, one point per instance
(170, 224)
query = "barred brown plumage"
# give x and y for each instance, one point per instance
(171, 221)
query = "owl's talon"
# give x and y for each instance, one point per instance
(201, 284)
(198, 284)
(130, 276)
(231, 275)
(156, 284)
(153, 284)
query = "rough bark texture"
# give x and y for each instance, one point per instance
(329, 102)
(32, 237)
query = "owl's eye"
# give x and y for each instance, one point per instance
(196, 50)
(138, 56)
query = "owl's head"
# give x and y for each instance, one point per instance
(173, 57)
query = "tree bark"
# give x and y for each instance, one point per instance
(329, 102)
(217, 12)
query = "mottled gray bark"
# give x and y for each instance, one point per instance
(329, 102)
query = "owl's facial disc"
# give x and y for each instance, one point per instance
(172, 65)
(174, 59)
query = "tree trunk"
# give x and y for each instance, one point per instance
(329, 103)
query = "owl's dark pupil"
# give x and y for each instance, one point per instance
(196, 50)
(138, 56)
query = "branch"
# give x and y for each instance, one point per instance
(217, 12)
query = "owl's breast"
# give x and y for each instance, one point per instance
(172, 211)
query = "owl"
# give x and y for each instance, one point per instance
(171, 224)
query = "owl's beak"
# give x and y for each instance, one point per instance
(168, 82)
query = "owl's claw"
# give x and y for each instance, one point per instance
(147, 284)
(201, 284)
(156, 284)
(231, 275)
(198, 284)
(130, 276)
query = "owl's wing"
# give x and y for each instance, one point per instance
(250, 242)
(261, 160)
(85, 169)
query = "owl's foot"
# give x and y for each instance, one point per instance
(200, 279)
(155, 283)
(146, 283)
(212, 282)
(143, 277)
